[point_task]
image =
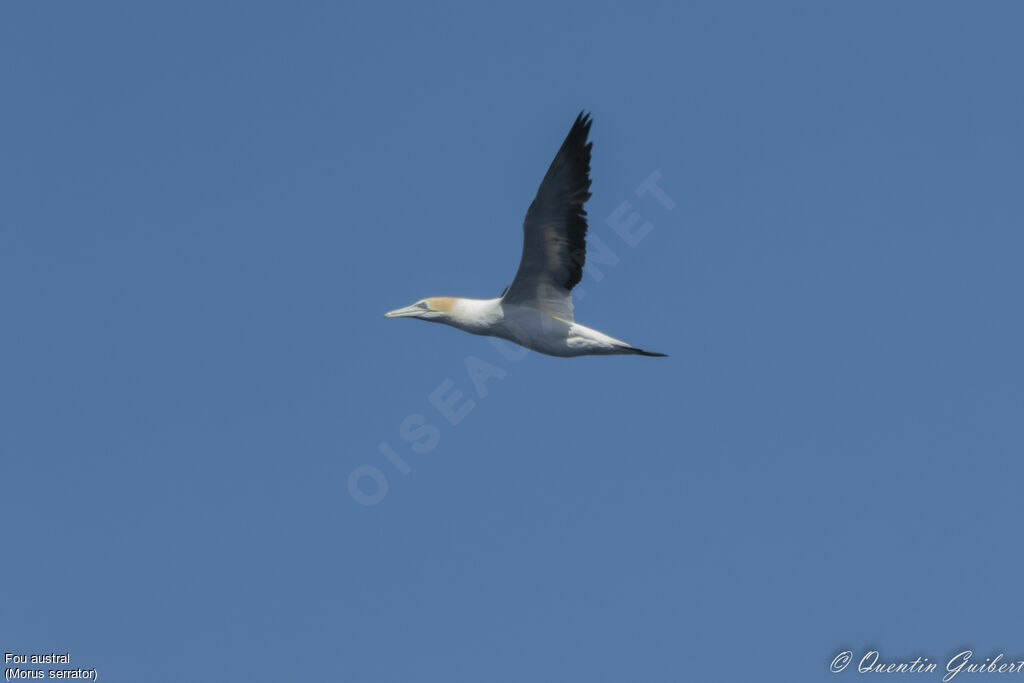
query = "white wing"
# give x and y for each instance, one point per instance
(555, 230)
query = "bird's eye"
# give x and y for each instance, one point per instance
(423, 304)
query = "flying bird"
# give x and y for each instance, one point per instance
(536, 310)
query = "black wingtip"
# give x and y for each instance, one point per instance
(583, 120)
(580, 131)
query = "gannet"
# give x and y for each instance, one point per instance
(536, 310)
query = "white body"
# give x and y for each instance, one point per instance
(524, 325)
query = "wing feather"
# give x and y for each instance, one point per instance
(555, 229)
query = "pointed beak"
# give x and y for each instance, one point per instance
(403, 312)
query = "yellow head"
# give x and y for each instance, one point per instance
(431, 308)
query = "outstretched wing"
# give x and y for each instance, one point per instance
(555, 230)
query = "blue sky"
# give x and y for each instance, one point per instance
(206, 208)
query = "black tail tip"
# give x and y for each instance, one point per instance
(653, 354)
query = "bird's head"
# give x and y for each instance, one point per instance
(434, 308)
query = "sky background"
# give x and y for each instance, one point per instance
(206, 208)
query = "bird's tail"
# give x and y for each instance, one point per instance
(642, 352)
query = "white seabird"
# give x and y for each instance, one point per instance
(536, 311)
